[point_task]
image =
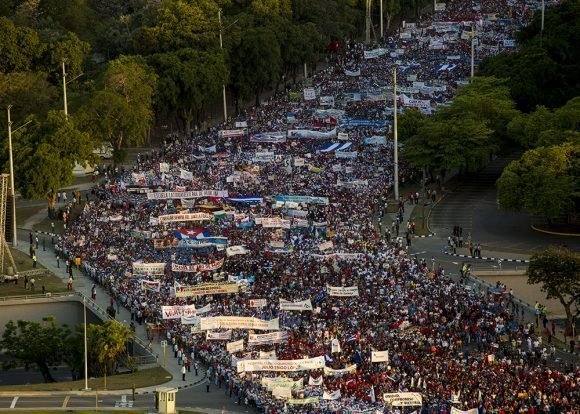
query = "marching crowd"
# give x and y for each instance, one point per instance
(454, 346)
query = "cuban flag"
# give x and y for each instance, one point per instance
(196, 233)
(334, 146)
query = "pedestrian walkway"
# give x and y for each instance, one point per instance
(497, 256)
(83, 285)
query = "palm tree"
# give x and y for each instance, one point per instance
(110, 341)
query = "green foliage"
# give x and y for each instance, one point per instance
(542, 181)
(409, 123)
(175, 24)
(544, 127)
(20, 47)
(108, 342)
(545, 70)
(558, 271)
(27, 92)
(121, 113)
(256, 63)
(39, 344)
(68, 48)
(465, 134)
(189, 81)
(45, 153)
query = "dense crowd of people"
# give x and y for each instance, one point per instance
(296, 187)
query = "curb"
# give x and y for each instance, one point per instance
(486, 258)
(431, 210)
(425, 236)
(91, 392)
(554, 233)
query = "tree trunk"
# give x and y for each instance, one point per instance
(389, 20)
(569, 317)
(45, 371)
(51, 200)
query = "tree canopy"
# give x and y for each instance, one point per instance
(557, 269)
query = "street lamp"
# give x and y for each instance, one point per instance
(85, 340)
(12, 192)
(473, 39)
(395, 136)
(64, 83)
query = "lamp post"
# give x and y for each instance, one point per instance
(395, 137)
(224, 85)
(12, 191)
(85, 341)
(64, 83)
(473, 37)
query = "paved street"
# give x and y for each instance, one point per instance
(473, 206)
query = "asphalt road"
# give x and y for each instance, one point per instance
(473, 206)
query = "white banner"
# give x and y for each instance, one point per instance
(305, 305)
(177, 312)
(235, 346)
(187, 194)
(292, 365)
(281, 382)
(258, 303)
(342, 291)
(458, 411)
(139, 178)
(335, 346)
(163, 167)
(207, 150)
(268, 355)
(268, 339)
(334, 395)
(380, 356)
(309, 94)
(148, 268)
(218, 336)
(152, 285)
(236, 250)
(206, 289)
(173, 218)
(352, 72)
(283, 393)
(299, 162)
(371, 54)
(327, 100)
(325, 246)
(190, 320)
(403, 399)
(194, 268)
(302, 401)
(336, 372)
(440, 6)
(315, 382)
(275, 222)
(231, 133)
(239, 322)
(241, 124)
(186, 175)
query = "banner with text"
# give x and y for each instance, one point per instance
(292, 365)
(187, 194)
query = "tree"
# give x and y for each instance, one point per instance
(45, 153)
(189, 80)
(70, 49)
(409, 123)
(558, 270)
(542, 181)
(256, 63)
(40, 344)
(391, 9)
(110, 343)
(27, 92)
(20, 47)
(122, 112)
(178, 24)
(442, 144)
(544, 70)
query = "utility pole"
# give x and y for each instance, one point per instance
(381, 7)
(12, 193)
(368, 22)
(395, 135)
(64, 90)
(85, 340)
(472, 52)
(542, 25)
(224, 85)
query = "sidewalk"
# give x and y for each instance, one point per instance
(83, 284)
(490, 255)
